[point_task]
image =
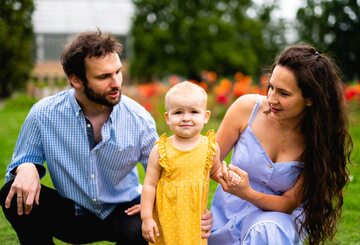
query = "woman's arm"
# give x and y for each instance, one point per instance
(286, 202)
(234, 122)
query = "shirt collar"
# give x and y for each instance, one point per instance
(74, 104)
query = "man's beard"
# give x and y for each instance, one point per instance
(99, 98)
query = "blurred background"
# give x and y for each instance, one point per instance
(173, 37)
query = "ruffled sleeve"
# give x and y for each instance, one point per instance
(163, 159)
(211, 152)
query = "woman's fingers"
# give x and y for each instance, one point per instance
(238, 170)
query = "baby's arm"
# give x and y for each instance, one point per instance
(216, 170)
(153, 171)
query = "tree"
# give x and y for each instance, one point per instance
(186, 37)
(16, 37)
(333, 26)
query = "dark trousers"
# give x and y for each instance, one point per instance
(55, 217)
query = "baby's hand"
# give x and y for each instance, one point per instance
(149, 230)
(234, 178)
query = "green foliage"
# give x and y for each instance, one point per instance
(186, 37)
(19, 102)
(333, 26)
(16, 37)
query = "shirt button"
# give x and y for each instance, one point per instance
(270, 165)
(92, 176)
(94, 200)
(88, 125)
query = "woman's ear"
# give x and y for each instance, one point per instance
(308, 102)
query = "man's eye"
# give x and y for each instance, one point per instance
(103, 77)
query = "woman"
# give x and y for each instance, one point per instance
(290, 148)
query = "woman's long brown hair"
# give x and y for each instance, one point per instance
(328, 144)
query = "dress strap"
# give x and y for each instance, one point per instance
(255, 109)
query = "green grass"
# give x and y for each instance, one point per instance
(11, 120)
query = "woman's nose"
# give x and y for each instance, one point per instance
(271, 97)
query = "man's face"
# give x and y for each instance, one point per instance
(104, 79)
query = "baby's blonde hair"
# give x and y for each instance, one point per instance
(185, 88)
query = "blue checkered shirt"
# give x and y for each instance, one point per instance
(97, 178)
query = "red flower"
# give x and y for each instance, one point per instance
(350, 94)
(222, 99)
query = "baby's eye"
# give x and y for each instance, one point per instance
(195, 112)
(177, 112)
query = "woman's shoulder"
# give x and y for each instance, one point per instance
(246, 102)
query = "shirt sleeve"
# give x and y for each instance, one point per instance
(28, 147)
(149, 138)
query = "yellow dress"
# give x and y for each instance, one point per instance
(182, 190)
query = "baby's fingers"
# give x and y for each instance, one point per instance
(224, 171)
(156, 231)
(234, 178)
(149, 236)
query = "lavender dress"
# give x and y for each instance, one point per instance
(237, 221)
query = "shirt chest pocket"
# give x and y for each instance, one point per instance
(113, 157)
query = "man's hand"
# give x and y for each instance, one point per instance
(133, 210)
(26, 187)
(207, 222)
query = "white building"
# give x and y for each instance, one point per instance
(55, 21)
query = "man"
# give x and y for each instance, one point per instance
(91, 141)
(91, 138)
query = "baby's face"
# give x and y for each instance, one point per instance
(187, 114)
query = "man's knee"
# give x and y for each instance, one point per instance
(130, 230)
(4, 192)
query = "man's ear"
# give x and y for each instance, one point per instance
(75, 81)
(207, 116)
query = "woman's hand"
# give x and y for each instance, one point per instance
(286, 202)
(232, 184)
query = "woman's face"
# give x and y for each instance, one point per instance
(284, 96)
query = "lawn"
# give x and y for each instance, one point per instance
(12, 118)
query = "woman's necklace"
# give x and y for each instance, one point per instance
(283, 140)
